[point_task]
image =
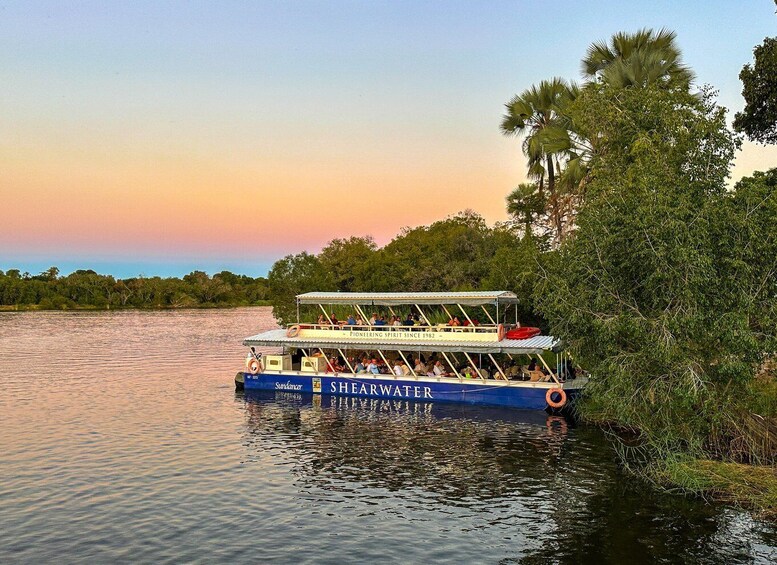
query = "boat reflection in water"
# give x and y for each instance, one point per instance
(474, 482)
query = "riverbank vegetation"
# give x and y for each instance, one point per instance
(630, 243)
(87, 290)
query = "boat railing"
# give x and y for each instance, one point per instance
(344, 326)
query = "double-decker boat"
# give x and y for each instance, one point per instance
(493, 363)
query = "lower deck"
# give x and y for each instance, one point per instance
(517, 394)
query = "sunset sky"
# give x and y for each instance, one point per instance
(160, 137)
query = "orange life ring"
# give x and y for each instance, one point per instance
(556, 403)
(255, 366)
(500, 332)
(293, 331)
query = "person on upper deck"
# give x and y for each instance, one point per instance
(351, 321)
(408, 321)
(359, 321)
(321, 321)
(373, 319)
(454, 321)
(335, 321)
(380, 321)
(397, 322)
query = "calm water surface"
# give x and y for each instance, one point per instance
(122, 440)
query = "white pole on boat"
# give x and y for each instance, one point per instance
(501, 372)
(340, 351)
(488, 314)
(365, 319)
(428, 323)
(446, 311)
(471, 362)
(555, 378)
(452, 366)
(327, 360)
(325, 314)
(386, 362)
(465, 315)
(406, 363)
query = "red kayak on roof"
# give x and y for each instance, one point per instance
(523, 333)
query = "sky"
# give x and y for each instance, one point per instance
(157, 138)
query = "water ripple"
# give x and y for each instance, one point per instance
(123, 441)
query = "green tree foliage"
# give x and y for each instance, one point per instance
(759, 118)
(538, 114)
(665, 293)
(346, 260)
(644, 58)
(293, 275)
(458, 253)
(88, 289)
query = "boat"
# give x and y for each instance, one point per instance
(474, 362)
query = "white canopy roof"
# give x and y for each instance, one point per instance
(532, 346)
(474, 298)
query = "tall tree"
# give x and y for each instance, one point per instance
(759, 118)
(637, 59)
(538, 115)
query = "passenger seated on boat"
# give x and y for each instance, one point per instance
(408, 321)
(467, 372)
(380, 321)
(406, 372)
(439, 369)
(397, 322)
(454, 321)
(321, 321)
(420, 368)
(398, 368)
(351, 321)
(335, 321)
(359, 367)
(485, 373)
(532, 365)
(373, 319)
(373, 367)
(359, 321)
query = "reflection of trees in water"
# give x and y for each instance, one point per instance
(564, 482)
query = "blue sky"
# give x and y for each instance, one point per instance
(161, 137)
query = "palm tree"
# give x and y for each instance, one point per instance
(639, 59)
(537, 114)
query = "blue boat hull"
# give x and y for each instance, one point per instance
(528, 396)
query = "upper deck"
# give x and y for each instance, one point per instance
(470, 298)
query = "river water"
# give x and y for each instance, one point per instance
(122, 439)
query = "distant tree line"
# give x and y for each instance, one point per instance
(88, 289)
